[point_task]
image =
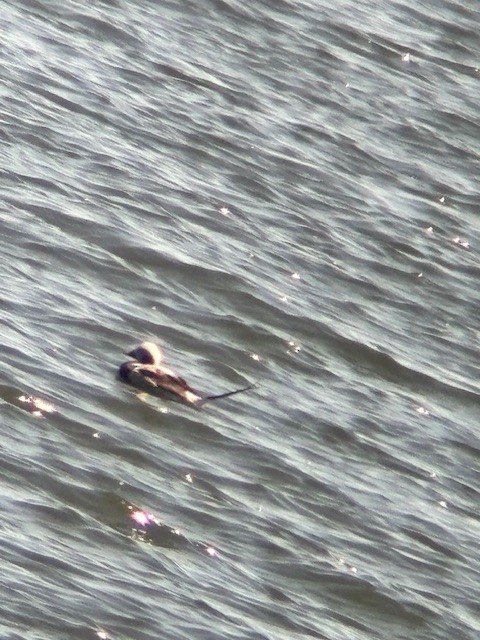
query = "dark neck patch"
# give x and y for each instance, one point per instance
(125, 370)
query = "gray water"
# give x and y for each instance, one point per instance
(284, 191)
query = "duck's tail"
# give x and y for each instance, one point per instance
(225, 395)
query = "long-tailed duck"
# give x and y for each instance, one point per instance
(146, 372)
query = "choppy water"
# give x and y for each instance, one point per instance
(284, 191)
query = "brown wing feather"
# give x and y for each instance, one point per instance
(151, 378)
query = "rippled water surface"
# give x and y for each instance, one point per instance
(281, 191)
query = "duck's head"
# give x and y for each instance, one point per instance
(147, 353)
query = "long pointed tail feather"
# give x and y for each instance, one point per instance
(228, 393)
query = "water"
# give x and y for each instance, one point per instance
(276, 191)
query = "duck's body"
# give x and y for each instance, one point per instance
(153, 380)
(147, 373)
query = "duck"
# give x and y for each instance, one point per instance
(147, 373)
